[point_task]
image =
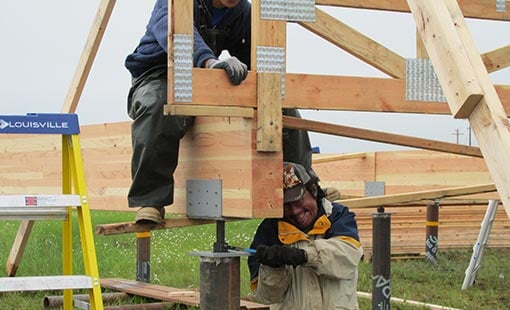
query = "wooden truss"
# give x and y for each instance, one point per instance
(237, 135)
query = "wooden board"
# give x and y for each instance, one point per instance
(190, 297)
(32, 164)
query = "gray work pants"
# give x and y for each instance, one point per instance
(155, 139)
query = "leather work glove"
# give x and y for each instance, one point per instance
(236, 70)
(332, 194)
(279, 255)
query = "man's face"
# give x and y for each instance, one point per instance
(301, 213)
(225, 3)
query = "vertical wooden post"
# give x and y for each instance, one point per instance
(180, 21)
(267, 34)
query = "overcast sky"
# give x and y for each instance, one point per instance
(42, 42)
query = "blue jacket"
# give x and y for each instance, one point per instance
(340, 223)
(151, 51)
(328, 280)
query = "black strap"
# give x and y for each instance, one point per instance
(214, 37)
(204, 15)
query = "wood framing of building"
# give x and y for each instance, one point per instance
(462, 72)
(237, 135)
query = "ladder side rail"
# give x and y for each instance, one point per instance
(67, 225)
(480, 245)
(84, 218)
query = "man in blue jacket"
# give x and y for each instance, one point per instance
(218, 25)
(309, 258)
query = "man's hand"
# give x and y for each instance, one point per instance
(279, 255)
(236, 70)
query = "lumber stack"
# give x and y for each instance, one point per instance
(31, 164)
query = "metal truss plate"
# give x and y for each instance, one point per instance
(203, 199)
(374, 188)
(289, 10)
(183, 64)
(422, 83)
(501, 6)
(272, 59)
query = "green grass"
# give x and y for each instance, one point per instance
(172, 265)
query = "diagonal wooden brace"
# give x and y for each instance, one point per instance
(449, 55)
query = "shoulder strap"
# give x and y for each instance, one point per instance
(204, 15)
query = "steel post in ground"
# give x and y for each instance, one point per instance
(381, 259)
(432, 229)
(143, 256)
(220, 282)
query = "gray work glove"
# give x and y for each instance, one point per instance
(236, 70)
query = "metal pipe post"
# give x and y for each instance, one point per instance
(220, 283)
(220, 245)
(381, 259)
(143, 256)
(432, 228)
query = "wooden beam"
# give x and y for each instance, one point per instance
(328, 159)
(421, 51)
(489, 121)
(376, 201)
(170, 80)
(323, 92)
(357, 44)
(379, 136)
(180, 22)
(189, 297)
(449, 56)
(207, 110)
(88, 55)
(131, 227)
(70, 104)
(497, 59)
(18, 247)
(482, 9)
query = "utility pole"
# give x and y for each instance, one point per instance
(457, 134)
(469, 135)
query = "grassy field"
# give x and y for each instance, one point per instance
(171, 265)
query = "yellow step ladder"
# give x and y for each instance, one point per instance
(44, 207)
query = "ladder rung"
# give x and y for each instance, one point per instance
(39, 200)
(38, 213)
(42, 283)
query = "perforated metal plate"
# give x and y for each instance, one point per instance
(203, 199)
(374, 188)
(183, 64)
(272, 59)
(500, 5)
(289, 10)
(422, 83)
